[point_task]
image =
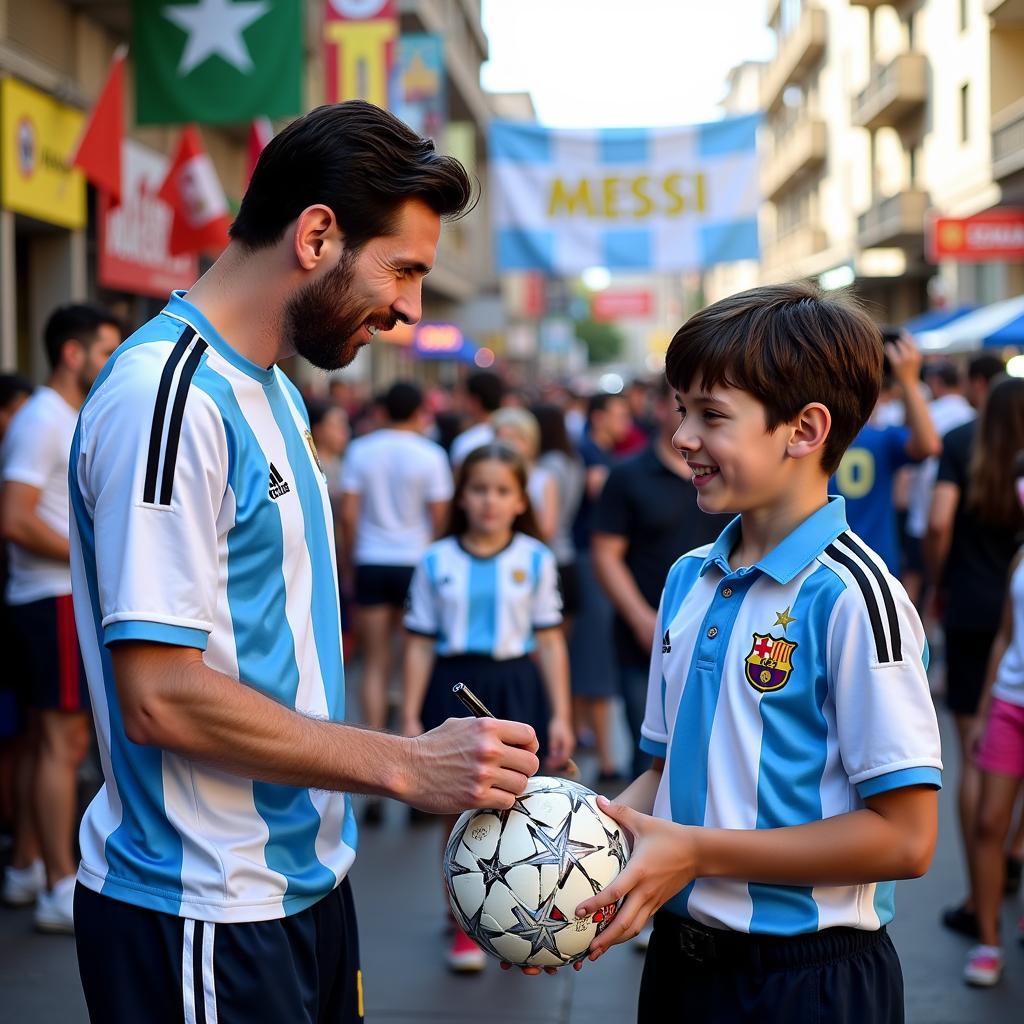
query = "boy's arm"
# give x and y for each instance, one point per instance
(905, 359)
(892, 837)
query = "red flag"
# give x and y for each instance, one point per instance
(99, 150)
(193, 190)
(261, 131)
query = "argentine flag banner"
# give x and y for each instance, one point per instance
(624, 198)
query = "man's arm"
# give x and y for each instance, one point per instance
(21, 525)
(892, 837)
(608, 551)
(171, 699)
(905, 359)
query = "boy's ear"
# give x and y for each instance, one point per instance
(809, 430)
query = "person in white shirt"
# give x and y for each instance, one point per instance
(34, 515)
(483, 395)
(396, 486)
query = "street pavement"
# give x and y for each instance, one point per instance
(400, 903)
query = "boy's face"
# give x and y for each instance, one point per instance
(737, 464)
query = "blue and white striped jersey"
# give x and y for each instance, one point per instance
(490, 606)
(200, 518)
(784, 693)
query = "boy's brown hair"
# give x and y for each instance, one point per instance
(787, 345)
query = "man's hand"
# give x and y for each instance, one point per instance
(469, 763)
(663, 861)
(905, 359)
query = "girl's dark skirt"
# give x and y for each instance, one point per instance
(511, 689)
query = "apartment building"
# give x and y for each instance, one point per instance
(876, 116)
(57, 54)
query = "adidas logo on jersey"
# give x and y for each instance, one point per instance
(666, 643)
(278, 484)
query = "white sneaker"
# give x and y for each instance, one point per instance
(23, 885)
(55, 908)
(984, 966)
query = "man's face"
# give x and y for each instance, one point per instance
(736, 463)
(95, 354)
(617, 419)
(328, 320)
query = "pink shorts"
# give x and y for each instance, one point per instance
(1001, 750)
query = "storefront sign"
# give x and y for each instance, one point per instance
(39, 135)
(133, 237)
(621, 305)
(994, 235)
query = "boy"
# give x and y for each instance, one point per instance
(788, 710)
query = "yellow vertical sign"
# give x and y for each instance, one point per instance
(37, 137)
(361, 49)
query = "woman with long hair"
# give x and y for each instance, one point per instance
(973, 529)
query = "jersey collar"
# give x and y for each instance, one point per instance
(181, 309)
(796, 551)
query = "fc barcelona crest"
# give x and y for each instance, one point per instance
(769, 662)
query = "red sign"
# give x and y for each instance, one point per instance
(993, 235)
(134, 237)
(621, 305)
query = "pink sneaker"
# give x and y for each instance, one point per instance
(984, 966)
(464, 955)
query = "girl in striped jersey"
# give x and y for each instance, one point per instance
(484, 608)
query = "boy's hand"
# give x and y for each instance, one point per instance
(905, 359)
(663, 861)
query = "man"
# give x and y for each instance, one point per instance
(483, 395)
(214, 859)
(396, 486)
(646, 518)
(590, 647)
(34, 516)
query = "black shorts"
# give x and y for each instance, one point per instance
(141, 965)
(967, 652)
(839, 975)
(569, 588)
(56, 677)
(382, 584)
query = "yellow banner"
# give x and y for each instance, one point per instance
(37, 137)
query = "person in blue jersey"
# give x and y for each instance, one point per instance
(484, 609)
(867, 470)
(796, 750)
(213, 880)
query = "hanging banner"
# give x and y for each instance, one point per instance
(627, 199)
(359, 49)
(38, 135)
(134, 254)
(418, 94)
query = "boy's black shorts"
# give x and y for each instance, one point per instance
(838, 976)
(141, 965)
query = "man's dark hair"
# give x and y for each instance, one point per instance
(358, 160)
(79, 321)
(598, 402)
(553, 435)
(12, 385)
(945, 372)
(786, 345)
(985, 367)
(402, 401)
(487, 388)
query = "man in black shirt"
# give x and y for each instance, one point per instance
(646, 517)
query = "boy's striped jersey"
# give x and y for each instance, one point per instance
(200, 518)
(785, 693)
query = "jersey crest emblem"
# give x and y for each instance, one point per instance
(313, 451)
(769, 662)
(518, 575)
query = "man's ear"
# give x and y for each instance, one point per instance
(809, 430)
(316, 232)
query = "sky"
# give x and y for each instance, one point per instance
(614, 63)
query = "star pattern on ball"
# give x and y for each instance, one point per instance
(482, 934)
(539, 927)
(576, 795)
(493, 870)
(558, 849)
(519, 806)
(616, 847)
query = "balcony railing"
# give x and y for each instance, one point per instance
(895, 221)
(799, 152)
(895, 91)
(1008, 141)
(798, 53)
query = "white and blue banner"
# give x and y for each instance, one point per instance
(630, 199)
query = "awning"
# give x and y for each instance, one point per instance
(936, 318)
(993, 326)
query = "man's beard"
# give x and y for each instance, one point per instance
(321, 319)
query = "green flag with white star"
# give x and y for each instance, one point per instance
(216, 61)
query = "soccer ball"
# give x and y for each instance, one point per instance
(515, 877)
